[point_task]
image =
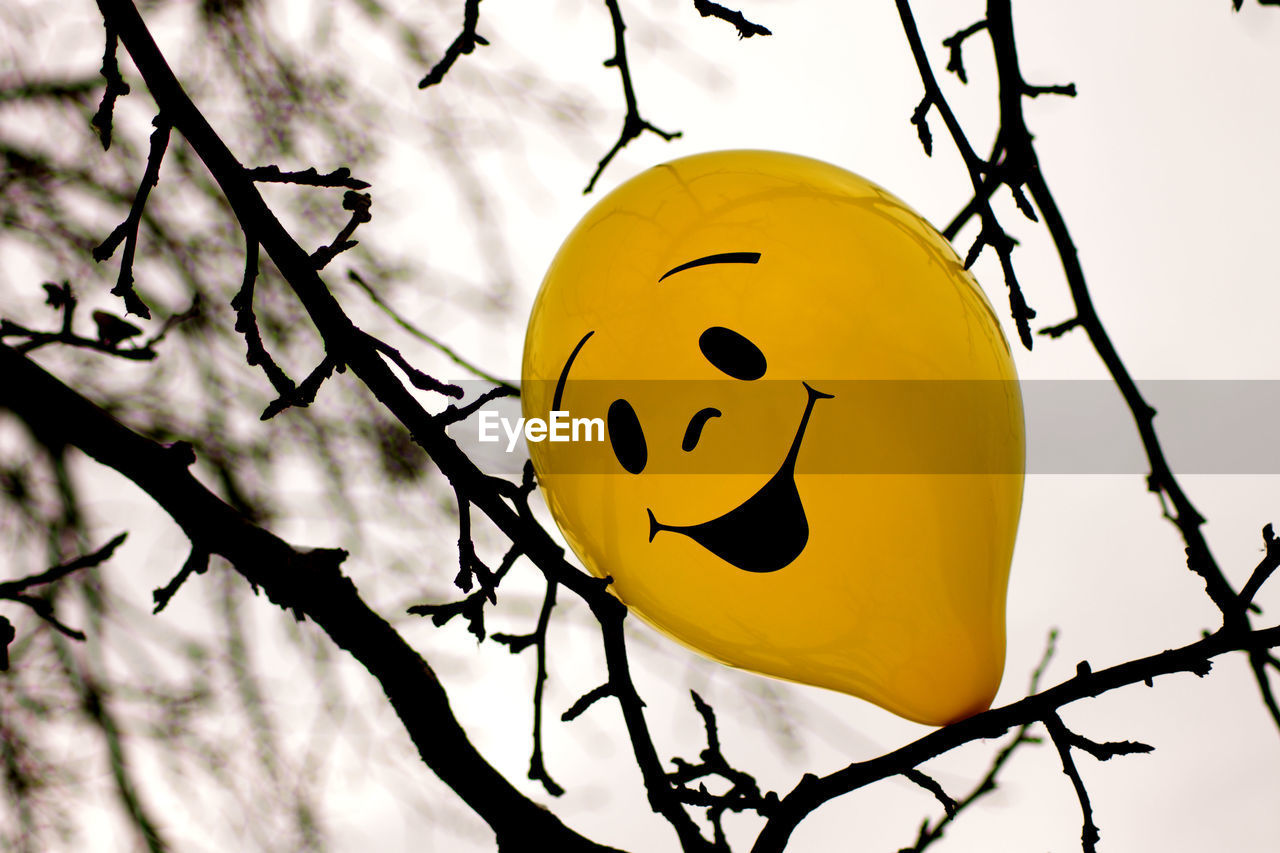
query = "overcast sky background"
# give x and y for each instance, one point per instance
(1164, 168)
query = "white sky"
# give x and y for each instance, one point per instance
(1164, 169)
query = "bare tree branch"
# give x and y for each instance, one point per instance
(1195, 658)
(632, 124)
(466, 42)
(308, 582)
(746, 29)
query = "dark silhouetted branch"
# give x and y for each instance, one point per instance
(116, 87)
(247, 323)
(15, 591)
(466, 42)
(955, 44)
(340, 177)
(358, 204)
(305, 393)
(931, 785)
(470, 608)
(197, 562)
(991, 234)
(308, 582)
(920, 119)
(743, 794)
(416, 377)
(1036, 91)
(538, 641)
(1196, 658)
(453, 414)
(1062, 738)
(632, 124)
(112, 330)
(10, 589)
(746, 29)
(585, 701)
(341, 335)
(1264, 568)
(1061, 329)
(127, 231)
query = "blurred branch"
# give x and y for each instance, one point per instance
(128, 230)
(632, 124)
(424, 337)
(15, 591)
(12, 589)
(112, 330)
(38, 90)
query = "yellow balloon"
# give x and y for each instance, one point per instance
(799, 445)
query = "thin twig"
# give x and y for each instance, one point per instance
(929, 833)
(197, 562)
(992, 233)
(9, 589)
(309, 582)
(955, 44)
(537, 764)
(1195, 658)
(472, 607)
(116, 87)
(359, 204)
(417, 378)
(466, 42)
(247, 322)
(305, 393)
(127, 231)
(1062, 740)
(632, 124)
(746, 29)
(16, 590)
(340, 177)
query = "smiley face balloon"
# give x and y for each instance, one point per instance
(797, 441)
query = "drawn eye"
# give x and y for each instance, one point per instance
(626, 436)
(693, 432)
(731, 353)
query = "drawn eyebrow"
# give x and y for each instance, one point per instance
(722, 258)
(564, 372)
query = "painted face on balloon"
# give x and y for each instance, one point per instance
(813, 450)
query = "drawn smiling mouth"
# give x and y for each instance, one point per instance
(768, 530)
